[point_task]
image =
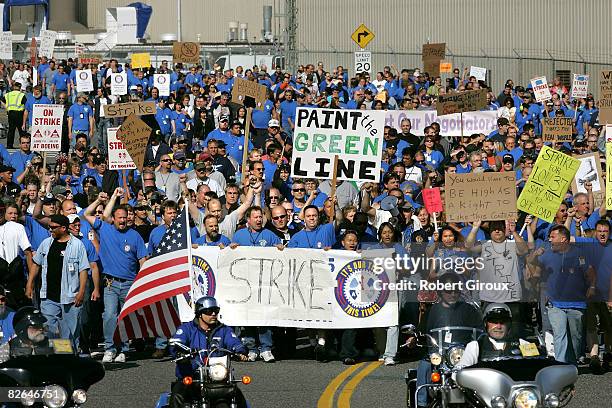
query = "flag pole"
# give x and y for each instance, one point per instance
(191, 280)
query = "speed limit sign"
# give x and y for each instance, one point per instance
(363, 62)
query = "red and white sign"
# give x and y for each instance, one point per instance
(118, 156)
(162, 82)
(432, 200)
(580, 86)
(540, 89)
(47, 128)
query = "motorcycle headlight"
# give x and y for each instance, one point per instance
(217, 372)
(55, 396)
(454, 355)
(526, 399)
(551, 401)
(498, 402)
(28, 399)
(79, 396)
(435, 359)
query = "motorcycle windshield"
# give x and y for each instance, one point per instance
(450, 335)
(519, 369)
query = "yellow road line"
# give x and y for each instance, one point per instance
(327, 398)
(344, 400)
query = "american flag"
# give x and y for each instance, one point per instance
(148, 310)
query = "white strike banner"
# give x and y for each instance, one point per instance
(118, 156)
(47, 128)
(479, 73)
(84, 82)
(6, 45)
(309, 288)
(47, 43)
(363, 62)
(450, 125)
(580, 86)
(540, 89)
(355, 136)
(162, 82)
(119, 83)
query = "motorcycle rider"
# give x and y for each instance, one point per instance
(451, 310)
(199, 334)
(31, 337)
(497, 342)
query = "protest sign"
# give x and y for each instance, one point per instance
(450, 125)
(126, 109)
(548, 182)
(118, 156)
(249, 93)
(84, 81)
(141, 60)
(134, 134)
(557, 129)
(432, 67)
(47, 43)
(162, 82)
(6, 45)
(605, 97)
(363, 62)
(90, 58)
(479, 73)
(540, 89)
(47, 128)
(461, 102)
(446, 67)
(188, 52)
(119, 83)
(589, 171)
(356, 136)
(310, 288)
(432, 200)
(435, 52)
(580, 86)
(480, 196)
(608, 167)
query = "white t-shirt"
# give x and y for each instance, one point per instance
(13, 237)
(23, 77)
(500, 266)
(212, 184)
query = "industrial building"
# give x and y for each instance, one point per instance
(519, 39)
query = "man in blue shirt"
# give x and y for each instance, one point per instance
(235, 142)
(122, 253)
(22, 157)
(60, 82)
(80, 119)
(163, 116)
(212, 236)
(255, 235)
(35, 98)
(313, 235)
(288, 108)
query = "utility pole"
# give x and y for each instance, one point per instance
(291, 30)
(179, 33)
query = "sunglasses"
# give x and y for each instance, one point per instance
(99, 212)
(211, 310)
(54, 227)
(298, 190)
(166, 160)
(274, 197)
(279, 217)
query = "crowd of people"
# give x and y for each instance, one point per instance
(74, 233)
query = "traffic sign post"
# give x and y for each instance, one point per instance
(362, 36)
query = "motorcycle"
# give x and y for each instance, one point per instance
(58, 378)
(445, 348)
(215, 385)
(520, 382)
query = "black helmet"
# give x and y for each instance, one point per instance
(25, 317)
(498, 312)
(205, 302)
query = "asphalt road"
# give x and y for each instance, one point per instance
(296, 384)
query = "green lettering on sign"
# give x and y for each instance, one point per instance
(349, 146)
(372, 144)
(333, 143)
(301, 142)
(317, 142)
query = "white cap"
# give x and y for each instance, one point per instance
(273, 123)
(73, 217)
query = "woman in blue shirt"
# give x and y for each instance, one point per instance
(432, 157)
(588, 112)
(180, 120)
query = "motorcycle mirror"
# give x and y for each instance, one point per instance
(176, 343)
(431, 341)
(408, 329)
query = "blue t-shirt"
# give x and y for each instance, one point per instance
(264, 238)
(120, 251)
(435, 158)
(162, 116)
(35, 231)
(80, 115)
(234, 147)
(180, 122)
(261, 118)
(31, 101)
(60, 81)
(321, 237)
(222, 240)
(565, 275)
(288, 109)
(19, 161)
(7, 327)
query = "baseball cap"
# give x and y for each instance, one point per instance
(5, 168)
(508, 158)
(60, 219)
(223, 118)
(221, 144)
(49, 199)
(59, 190)
(236, 123)
(200, 165)
(179, 155)
(273, 123)
(502, 122)
(407, 206)
(204, 157)
(72, 218)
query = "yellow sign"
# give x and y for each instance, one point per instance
(142, 60)
(529, 350)
(362, 36)
(548, 182)
(446, 67)
(62, 346)
(608, 167)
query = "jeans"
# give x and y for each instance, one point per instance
(567, 326)
(62, 320)
(100, 134)
(265, 339)
(423, 377)
(392, 341)
(114, 298)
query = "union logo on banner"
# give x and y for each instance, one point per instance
(356, 293)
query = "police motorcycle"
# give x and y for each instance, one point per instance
(36, 371)
(445, 347)
(215, 385)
